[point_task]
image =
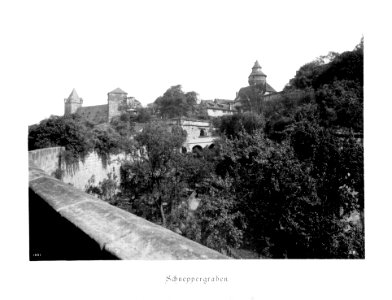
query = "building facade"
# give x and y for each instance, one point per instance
(117, 100)
(199, 133)
(218, 107)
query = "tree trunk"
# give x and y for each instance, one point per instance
(162, 215)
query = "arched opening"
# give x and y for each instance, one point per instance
(197, 149)
(211, 146)
(183, 150)
(203, 132)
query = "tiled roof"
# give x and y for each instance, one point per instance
(247, 91)
(217, 104)
(223, 101)
(74, 95)
(206, 102)
(269, 89)
(256, 70)
(118, 91)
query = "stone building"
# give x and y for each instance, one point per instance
(117, 100)
(258, 85)
(218, 107)
(199, 133)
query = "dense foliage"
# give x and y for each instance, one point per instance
(284, 180)
(175, 103)
(299, 180)
(330, 92)
(79, 136)
(297, 195)
(232, 125)
(71, 132)
(161, 183)
(152, 175)
(330, 68)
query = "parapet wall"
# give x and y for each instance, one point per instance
(68, 224)
(92, 165)
(78, 175)
(47, 159)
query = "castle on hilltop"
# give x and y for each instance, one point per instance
(199, 132)
(117, 101)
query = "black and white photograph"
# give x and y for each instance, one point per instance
(193, 148)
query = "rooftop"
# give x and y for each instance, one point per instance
(74, 95)
(118, 91)
(256, 70)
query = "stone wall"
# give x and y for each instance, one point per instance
(48, 159)
(68, 224)
(97, 114)
(70, 107)
(219, 112)
(80, 174)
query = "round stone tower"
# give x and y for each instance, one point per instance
(257, 77)
(72, 103)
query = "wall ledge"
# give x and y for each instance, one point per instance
(116, 231)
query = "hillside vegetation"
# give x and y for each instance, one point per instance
(285, 181)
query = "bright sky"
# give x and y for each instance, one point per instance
(144, 47)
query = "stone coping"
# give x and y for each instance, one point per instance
(117, 231)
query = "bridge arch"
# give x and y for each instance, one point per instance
(197, 149)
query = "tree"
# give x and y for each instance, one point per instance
(176, 103)
(327, 69)
(306, 76)
(107, 141)
(218, 223)
(297, 201)
(143, 115)
(71, 132)
(232, 125)
(79, 137)
(105, 190)
(149, 180)
(340, 104)
(123, 125)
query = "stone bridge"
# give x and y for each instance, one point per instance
(68, 224)
(200, 143)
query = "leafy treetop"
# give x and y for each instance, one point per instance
(176, 103)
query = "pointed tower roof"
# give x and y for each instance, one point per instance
(118, 91)
(257, 65)
(74, 95)
(256, 70)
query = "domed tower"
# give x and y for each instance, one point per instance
(72, 103)
(257, 77)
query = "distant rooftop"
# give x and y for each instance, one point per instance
(256, 70)
(118, 91)
(74, 95)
